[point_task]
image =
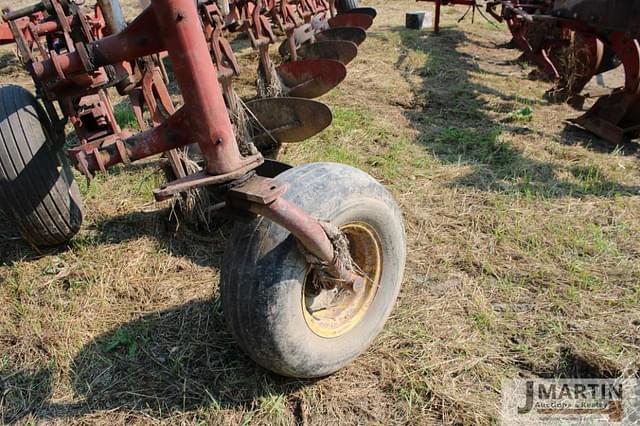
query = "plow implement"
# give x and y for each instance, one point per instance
(316, 260)
(570, 42)
(616, 24)
(318, 45)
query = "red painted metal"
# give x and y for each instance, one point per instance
(202, 178)
(351, 20)
(6, 36)
(549, 31)
(82, 98)
(311, 78)
(535, 40)
(338, 50)
(440, 3)
(352, 34)
(206, 115)
(78, 76)
(136, 41)
(257, 196)
(616, 117)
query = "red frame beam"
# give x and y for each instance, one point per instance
(203, 118)
(438, 4)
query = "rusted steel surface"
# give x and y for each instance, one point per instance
(338, 50)
(262, 196)
(208, 123)
(616, 118)
(202, 178)
(289, 119)
(99, 52)
(613, 25)
(311, 78)
(312, 66)
(23, 23)
(358, 20)
(135, 41)
(593, 33)
(352, 34)
(596, 34)
(82, 98)
(363, 10)
(535, 40)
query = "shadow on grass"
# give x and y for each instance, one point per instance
(178, 360)
(201, 247)
(573, 135)
(454, 124)
(14, 249)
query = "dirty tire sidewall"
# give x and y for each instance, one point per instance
(38, 192)
(263, 273)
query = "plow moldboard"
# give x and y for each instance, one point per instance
(362, 10)
(301, 35)
(310, 78)
(356, 20)
(353, 34)
(338, 50)
(290, 119)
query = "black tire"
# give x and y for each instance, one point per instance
(346, 5)
(264, 273)
(37, 189)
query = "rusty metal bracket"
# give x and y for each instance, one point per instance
(259, 190)
(262, 196)
(200, 179)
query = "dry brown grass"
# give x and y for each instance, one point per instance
(523, 261)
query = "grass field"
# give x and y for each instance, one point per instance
(524, 260)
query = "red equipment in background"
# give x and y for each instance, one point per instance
(571, 41)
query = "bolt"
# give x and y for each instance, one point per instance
(358, 284)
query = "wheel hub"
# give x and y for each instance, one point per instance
(332, 311)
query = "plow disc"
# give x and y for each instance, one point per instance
(311, 78)
(352, 34)
(288, 120)
(362, 10)
(301, 36)
(304, 38)
(337, 50)
(356, 20)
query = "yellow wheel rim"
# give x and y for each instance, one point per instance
(332, 313)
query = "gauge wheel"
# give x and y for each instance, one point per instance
(270, 296)
(38, 193)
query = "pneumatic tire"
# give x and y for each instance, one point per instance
(267, 295)
(37, 188)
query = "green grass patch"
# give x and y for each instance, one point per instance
(479, 146)
(125, 117)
